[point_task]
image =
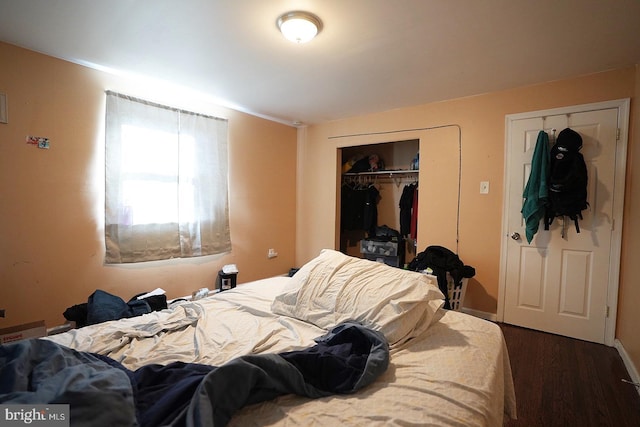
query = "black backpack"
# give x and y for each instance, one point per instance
(567, 179)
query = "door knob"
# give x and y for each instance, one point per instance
(515, 235)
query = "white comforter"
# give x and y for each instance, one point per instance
(456, 373)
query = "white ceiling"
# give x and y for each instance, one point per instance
(372, 55)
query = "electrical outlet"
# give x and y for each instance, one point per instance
(484, 187)
(272, 253)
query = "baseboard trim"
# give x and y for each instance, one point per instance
(631, 368)
(481, 314)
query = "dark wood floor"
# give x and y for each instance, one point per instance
(560, 381)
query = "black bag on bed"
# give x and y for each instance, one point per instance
(156, 302)
(103, 306)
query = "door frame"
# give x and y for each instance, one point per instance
(618, 203)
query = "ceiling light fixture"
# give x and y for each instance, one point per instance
(298, 26)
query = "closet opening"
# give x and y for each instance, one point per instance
(378, 201)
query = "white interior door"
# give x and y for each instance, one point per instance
(563, 284)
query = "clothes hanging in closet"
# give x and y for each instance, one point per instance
(414, 215)
(409, 210)
(359, 208)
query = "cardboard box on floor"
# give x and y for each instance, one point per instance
(24, 331)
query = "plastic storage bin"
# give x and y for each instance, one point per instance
(375, 247)
(388, 252)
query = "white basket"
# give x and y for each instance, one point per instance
(456, 294)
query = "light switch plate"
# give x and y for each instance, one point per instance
(484, 187)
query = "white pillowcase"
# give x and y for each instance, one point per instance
(333, 288)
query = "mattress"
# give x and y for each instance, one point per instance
(454, 371)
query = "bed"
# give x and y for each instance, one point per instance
(443, 367)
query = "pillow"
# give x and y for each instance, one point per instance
(333, 288)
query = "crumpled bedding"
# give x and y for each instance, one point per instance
(348, 358)
(38, 371)
(102, 392)
(454, 373)
(209, 331)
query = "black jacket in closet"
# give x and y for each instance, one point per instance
(406, 208)
(359, 208)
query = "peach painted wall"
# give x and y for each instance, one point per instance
(482, 121)
(51, 201)
(629, 297)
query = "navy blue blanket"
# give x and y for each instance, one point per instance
(100, 391)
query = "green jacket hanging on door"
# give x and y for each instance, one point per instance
(536, 192)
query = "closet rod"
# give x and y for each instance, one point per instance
(389, 172)
(455, 125)
(396, 175)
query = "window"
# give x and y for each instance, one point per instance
(166, 182)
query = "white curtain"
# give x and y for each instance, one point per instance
(166, 182)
